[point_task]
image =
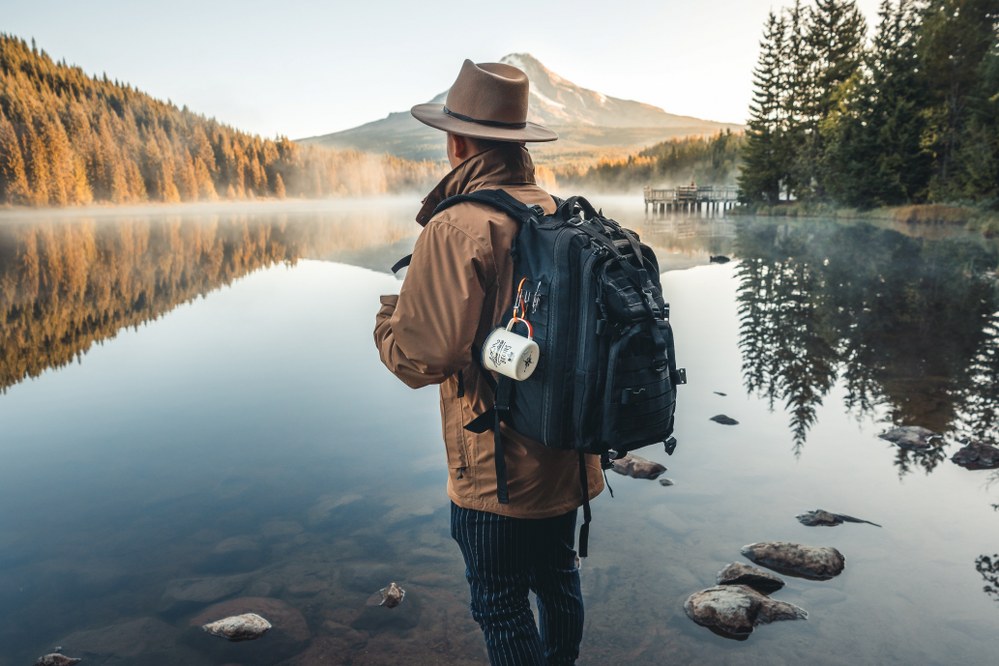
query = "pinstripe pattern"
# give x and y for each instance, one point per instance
(505, 558)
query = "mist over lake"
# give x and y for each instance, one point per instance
(194, 414)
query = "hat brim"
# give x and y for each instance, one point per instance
(434, 116)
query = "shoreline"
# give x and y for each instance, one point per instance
(967, 217)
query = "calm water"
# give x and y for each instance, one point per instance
(194, 413)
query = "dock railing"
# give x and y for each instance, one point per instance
(691, 197)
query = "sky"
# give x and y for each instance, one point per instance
(302, 68)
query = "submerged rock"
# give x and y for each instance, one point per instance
(977, 455)
(734, 610)
(56, 659)
(724, 420)
(288, 622)
(720, 393)
(743, 574)
(390, 596)
(912, 437)
(795, 559)
(637, 467)
(665, 482)
(823, 518)
(245, 627)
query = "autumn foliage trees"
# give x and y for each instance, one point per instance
(68, 138)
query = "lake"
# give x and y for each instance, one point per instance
(193, 412)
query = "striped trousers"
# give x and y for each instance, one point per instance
(505, 558)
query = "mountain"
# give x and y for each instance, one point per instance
(589, 123)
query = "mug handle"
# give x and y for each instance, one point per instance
(530, 329)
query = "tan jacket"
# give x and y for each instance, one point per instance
(459, 285)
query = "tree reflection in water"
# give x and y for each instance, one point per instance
(978, 401)
(907, 324)
(66, 284)
(988, 566)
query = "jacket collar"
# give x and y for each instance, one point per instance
(509, 165)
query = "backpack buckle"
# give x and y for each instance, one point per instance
(650, 302)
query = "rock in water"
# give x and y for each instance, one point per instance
(56, 659)
(724, 420)
(665, 482)
(743, 574)
(977, 455)
(823, 518)
(735, 609)
(912, 437)
(718, 259)
(637, 467)
(245, 627)
(392, 595)
(795, 559)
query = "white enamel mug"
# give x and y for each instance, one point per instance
(510, 353)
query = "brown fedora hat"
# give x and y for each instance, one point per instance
(487, 101)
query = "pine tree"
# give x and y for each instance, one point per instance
(36, 167)
(979, 154)
(873, 140)
(836, 34)
(759, 179)
(956, 37)
(796, 90)
(279, 190)
(897, 101)
(13, 179)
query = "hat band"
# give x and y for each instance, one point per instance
(490, 123)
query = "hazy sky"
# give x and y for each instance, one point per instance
(300, 67)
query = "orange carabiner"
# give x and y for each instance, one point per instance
(519, 306)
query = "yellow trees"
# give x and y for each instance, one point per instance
(66, 138)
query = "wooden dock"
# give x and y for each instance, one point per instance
(691, 198)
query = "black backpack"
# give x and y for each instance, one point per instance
(606, 380)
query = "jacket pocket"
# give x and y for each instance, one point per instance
(452, 414)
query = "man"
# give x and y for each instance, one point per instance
(458, 288)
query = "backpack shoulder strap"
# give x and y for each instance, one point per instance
(497, 199)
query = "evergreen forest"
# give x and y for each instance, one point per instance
(68, 138)
(711, 160)
(909, 115)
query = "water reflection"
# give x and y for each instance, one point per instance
(69, 281)
(67, 284)
(251, 445)
(908, 324)
(989, 568)
(978, 402)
